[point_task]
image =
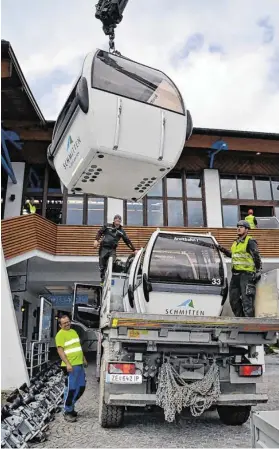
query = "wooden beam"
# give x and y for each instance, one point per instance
(32, 134)
(235, 143)
(6, 68)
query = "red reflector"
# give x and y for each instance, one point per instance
(250, 370)
(122, 368)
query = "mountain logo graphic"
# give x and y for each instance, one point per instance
(187, 303)
(69, 143)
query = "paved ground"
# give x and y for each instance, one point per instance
(150, 430)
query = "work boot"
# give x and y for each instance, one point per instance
(69, 417)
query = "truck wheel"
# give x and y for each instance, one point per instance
(234, 415)
(109, 415)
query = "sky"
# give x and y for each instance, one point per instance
(222, 54)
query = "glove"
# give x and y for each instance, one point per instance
(257, 276)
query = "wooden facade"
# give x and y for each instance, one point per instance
(32, 232)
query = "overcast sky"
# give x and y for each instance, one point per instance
(222, 54)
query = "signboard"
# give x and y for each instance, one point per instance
(66, 301)
(45, 319)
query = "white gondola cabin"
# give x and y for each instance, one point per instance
(121, 130)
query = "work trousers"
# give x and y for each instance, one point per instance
(104, 255)
(75, 383)
(242, 294)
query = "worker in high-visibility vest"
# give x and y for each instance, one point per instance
(72, 364)
(246, 268)
(251, 219)
(31, 206)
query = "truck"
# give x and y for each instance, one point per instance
(162, 339)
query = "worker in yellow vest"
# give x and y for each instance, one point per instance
(251, 219)
(73, 362)
(31, 206)
(246, 268)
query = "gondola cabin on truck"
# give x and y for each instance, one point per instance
(121, 130)
(177, 274)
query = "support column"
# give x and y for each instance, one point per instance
(114, 207)
(13, 368)
(13, 208)
(213, 203)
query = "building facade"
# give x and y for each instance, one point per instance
(210, 189)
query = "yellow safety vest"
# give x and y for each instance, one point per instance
(250, 220)
(32, 208)
(241, 259)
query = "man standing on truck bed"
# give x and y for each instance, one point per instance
(110, 234)
(246, 271)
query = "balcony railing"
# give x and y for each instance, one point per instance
(32, 232)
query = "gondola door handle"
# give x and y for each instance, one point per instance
(117, 128)
(162, 140)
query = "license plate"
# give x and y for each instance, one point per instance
(124, 378)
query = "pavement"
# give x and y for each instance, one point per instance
(149, 429)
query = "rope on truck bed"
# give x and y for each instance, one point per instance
(174, 393)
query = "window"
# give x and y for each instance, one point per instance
(35, 179)
(193, 186)
(66, 107)
(276, 210)
(54, 209)
(195, 214)
(157, 190)
(176, 258)
(275, 188)
(135, 213)
(263, 188)
(129, 79)
(155, 212)
(174, 187)
(175, 213)
(228, 187)
(54, 184)
(245, 188)
(74, 210)
(96, 211)
(230, 215)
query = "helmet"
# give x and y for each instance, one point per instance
(250, 212)
(243, 223)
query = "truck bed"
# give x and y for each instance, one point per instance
(173, 329)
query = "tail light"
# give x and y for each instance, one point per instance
(121, 368)
(250, 370)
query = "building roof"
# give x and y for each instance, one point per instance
(235, 133)
(18, 102)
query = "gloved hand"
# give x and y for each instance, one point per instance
(257, 276)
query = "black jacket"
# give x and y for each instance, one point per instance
(252, 248)
(111, 236)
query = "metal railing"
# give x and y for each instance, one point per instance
(37, 355)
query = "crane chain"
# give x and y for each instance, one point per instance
(174, 393)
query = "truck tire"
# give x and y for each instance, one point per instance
(234, 415)
(109, 415)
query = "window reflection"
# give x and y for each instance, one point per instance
(155, 212)
(35, 179)
(193, 187)
(195, 213)
(134, 213)
(230, 216)
(275, 188)
(175, 213)
(174, 187)
(263, 188)
(245, 188)
(228, 187)
(74, 211)
(157, 190)
(96, 208)
(32, 200)
(54, 209)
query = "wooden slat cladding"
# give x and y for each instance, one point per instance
(30, 232)
(235, 143)
(196, 160)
